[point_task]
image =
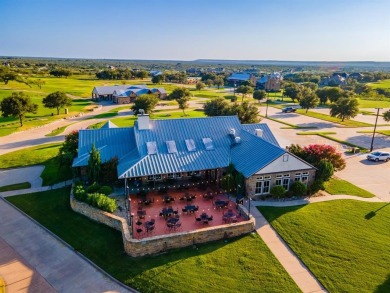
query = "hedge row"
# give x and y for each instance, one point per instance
(96, 199)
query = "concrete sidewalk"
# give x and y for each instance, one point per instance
(60, 266)
(305, 280)
(37, 189)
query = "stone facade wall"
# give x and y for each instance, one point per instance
(251, 181)
(161, 243)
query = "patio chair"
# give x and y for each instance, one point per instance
(152, 221)
(184, 210)
(139, 230)
(210, 218)
(198, 219)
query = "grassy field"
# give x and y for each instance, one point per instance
(339, 186)
(39, 155)
(18, 186)
(384, 84)
(242, 264)
(345, 123)
(58, 131)
(365, 103)
(344, 243)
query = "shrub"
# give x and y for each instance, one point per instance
(316, 186)
(278, 191)
(79, 192)
(298, 188)
(325, 170)
(101, 202)
(94, 187)
(106, 190)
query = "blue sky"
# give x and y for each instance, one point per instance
(328, 30)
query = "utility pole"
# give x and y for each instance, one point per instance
(373, 135)
(266, 109)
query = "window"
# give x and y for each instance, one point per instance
(259, 187)
(285, 158)
(154, 177)
(266, 186)
(259, 178)
(171, 146)
(286, 183)
(279, 176)
(178, 175)
(190, 144)
(278, 182)
(305, 179)
(152, 147)
(193, 173)
(174, 175)
(208, 143)
(267, 177)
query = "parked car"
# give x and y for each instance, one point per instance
(288, 110)
(379, 156)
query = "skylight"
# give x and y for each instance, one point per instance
(171, 146)
(208, 143)
(152, 147)
(190, 144)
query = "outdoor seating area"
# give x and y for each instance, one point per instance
(180, 211)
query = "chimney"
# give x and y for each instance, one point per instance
(143, 121)
(259, 132)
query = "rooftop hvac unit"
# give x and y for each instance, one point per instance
(237, 140)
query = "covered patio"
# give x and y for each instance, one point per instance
(173, 211)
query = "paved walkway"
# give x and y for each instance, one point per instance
(30, 174)
(36, 189)
(61, 267)
(18, 274)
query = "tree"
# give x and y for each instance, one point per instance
(142, 74)
(325, 170)
(209, 82)
(218, 81)
(244, 90)
(146, 102)
(57, 100)
(246, 112)
(313, 154)
(18, 105)
(183, 103)
(386, 116)
(158, 79)
(278, 191)
(59, 72)
(322, 94)
(344, 108)
(216, 107)
(200, 85)
(178, 93)
(39, 82)
(7, 75)
(334, 93)
(309, 99)
(68, 150)
(292, 91)
(259, 94)
(94, 164)
(311, 85)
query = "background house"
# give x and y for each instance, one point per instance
(240, 77)
(125, 94)
(271, 82)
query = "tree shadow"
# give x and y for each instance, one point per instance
(385, 287)
(372, 214)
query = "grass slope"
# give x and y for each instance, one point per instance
(242, 264)
(344, 243)
(39, 155)
(339, 186)
(18, 186)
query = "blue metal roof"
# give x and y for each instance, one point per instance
(253, 154)
(111, 142)
(239, 76)
(130, 146)
(267, 134)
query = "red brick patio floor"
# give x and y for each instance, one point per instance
(187, 220)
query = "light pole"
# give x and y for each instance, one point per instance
(266, 109)
(373, 134)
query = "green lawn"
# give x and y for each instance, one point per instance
(18, 186)
(58, 131)
(365, 103)
(39, 155)
(345, 123)
(385, 84)
(344, 243)
(242, 264)
(326, 135)
(339, 186)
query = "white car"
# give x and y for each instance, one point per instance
(378, 156)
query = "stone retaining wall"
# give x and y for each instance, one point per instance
(161, 243)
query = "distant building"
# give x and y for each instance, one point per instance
(271, 82)
(356, 75)
(334, 80)
(125, 94)
(240, 77)
(155, 72)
